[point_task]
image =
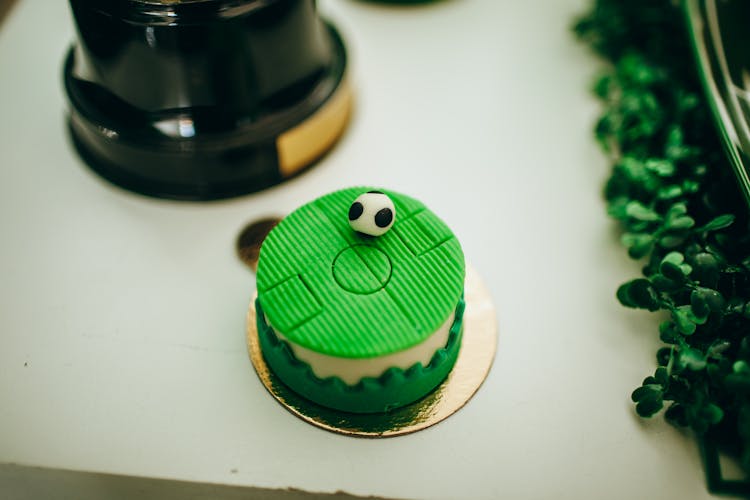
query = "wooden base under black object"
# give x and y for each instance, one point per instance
(209, 137)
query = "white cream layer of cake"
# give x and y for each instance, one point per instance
(352, 370)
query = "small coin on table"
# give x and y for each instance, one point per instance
(251, 238)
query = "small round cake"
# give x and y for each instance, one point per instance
(360, 300)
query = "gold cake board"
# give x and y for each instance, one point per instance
(472, 366)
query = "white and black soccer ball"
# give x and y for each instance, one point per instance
(372, 213)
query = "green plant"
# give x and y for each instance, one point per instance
(673, 193)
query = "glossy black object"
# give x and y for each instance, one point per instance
(186, 99)
(721, 43)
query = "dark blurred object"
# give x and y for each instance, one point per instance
(402, 2)
(204, 99)
(5, 6)
(721, 41)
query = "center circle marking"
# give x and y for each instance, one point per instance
(362, 269)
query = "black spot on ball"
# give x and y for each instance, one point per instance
(355, 210)
(384, 217)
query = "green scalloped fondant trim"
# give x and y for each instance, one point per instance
(394, 388)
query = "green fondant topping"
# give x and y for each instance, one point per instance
(333, 291)
(362, 269)
(292, 303)
(394, 388)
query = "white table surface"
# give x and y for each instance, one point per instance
(122, 318)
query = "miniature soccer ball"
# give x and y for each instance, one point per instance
(372, 213)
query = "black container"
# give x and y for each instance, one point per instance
(204, 99)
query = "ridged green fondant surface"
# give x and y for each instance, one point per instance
(333, 291)
(393, 389)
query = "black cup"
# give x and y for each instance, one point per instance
(204, 99)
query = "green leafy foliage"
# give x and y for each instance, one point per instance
(673, 193)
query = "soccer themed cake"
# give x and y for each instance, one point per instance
(360, 300)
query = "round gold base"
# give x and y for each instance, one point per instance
(472, 366)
